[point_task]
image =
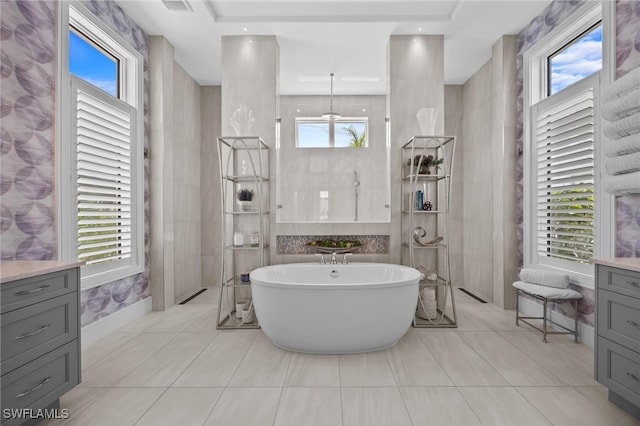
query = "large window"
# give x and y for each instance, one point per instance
(102, 202)
(565, 212)
(325, 133)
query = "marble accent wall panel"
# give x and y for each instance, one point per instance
(478, 184)
(415, 80)
(503, 141)
(211, 215)
(187, 205)
(303, 173)
(627, 58)
(27, 207)
(453, 127)
(297, 244)
(27, 187)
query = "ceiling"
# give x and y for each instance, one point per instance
(317, 37)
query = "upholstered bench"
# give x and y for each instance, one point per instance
(547, 286)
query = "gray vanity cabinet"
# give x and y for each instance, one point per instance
(617, 352)
(40, 334)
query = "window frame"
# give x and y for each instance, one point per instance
(332, 130)
(131, 91)
(535, 83)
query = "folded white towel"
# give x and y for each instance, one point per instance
(623, 164)
(626, 145)
(546, 291)
(625, 126)
(628, 183)
(621, 86)
(622, 106)
(546, 278)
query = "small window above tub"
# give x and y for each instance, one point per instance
(315, 132)
(575, 60)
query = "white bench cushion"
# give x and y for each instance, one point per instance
(546, 291)
(542, 277)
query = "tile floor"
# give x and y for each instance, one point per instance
(174, 368)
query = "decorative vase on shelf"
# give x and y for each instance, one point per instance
(242, 121)
(427, 120)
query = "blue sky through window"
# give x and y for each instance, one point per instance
(92, 64)
(578, 60)
(315, 134)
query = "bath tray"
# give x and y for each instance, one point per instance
(330, 249)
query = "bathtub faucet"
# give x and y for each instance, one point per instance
(322, 261)
(344, 258)
(333, 258)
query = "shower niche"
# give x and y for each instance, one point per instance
(244, 180)
(427, 162)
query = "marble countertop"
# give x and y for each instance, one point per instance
(19, 269)
(630, 263)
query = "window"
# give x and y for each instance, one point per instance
(324, 133)
(576, 60)
(102, 200)
(567, 219)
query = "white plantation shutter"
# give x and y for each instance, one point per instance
(563, 178)
(103, 130)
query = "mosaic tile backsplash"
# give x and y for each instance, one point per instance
(27, 183)
(297, 244)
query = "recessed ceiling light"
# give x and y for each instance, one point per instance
(250, 41)
(245, 29)
(420, 29)
(364, 110)
(297, 109)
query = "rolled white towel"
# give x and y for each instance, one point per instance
(622, 85)
(546, 278)
(628, 183)
(626, 126)
(622, 106)
(626, 145)
(623, 164)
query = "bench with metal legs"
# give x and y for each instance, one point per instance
(546, 294)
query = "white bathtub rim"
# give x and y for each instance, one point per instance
(411, 280)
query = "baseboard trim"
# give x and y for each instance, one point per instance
(99, 329)
(532, 308)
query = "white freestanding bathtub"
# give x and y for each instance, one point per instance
(359, 307)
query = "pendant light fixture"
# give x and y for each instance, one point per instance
(331, 115)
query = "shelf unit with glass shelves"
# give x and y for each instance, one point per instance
(426, 194)
(243, 164)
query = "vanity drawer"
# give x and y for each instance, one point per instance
(619, 280)
(619, 370)
(16, 294)
(619, 319)
(32, 331)
(42, 381)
